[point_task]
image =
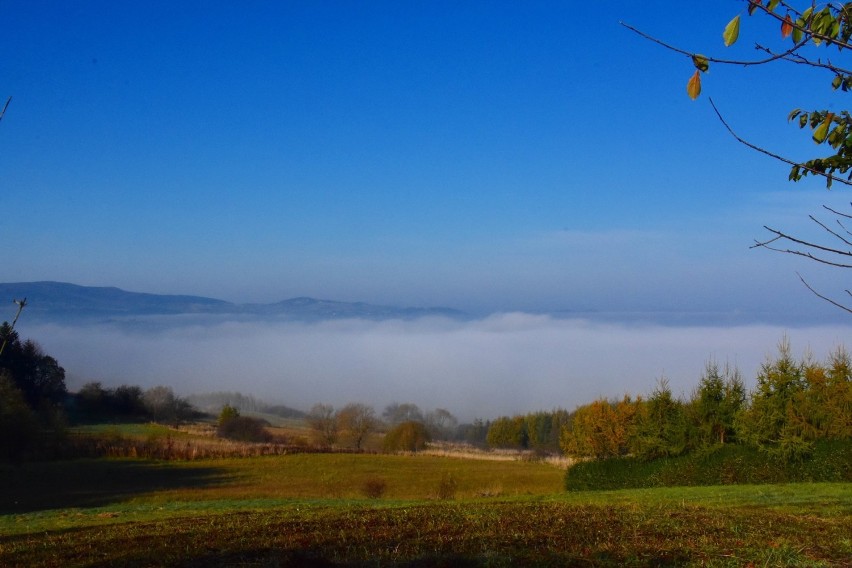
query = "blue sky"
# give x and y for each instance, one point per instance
(481, 155)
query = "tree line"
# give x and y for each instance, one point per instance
(36, 407)
(795, 402)
(405, 426)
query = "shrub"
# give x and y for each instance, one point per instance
(19, 427)
(227, 414)
(447, 487)
(374, 487)
(244, 429)
(830, 460)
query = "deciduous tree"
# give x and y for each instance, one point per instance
(356, 421)
(406, 437)
(396, 413)
(323, 421)
(602, 429)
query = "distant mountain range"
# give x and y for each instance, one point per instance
(64, 302)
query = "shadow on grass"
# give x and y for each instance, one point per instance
(93, 483)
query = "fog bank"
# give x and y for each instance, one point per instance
(503, 364)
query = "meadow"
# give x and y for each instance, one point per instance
(399, 510)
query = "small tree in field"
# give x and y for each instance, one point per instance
(227, 414)
(356, 421)
(407, 437)
(323, 421)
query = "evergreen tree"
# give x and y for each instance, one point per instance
(719, 397)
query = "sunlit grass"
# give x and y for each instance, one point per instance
(289, 510)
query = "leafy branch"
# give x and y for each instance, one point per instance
(800, 169)
(817, 26)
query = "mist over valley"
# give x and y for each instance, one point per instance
(303, 351)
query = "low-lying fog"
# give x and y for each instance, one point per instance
(503, 364)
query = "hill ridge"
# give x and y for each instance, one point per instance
(63, 301)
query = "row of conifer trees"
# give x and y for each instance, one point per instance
(794, 403)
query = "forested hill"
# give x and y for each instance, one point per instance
(64, 302)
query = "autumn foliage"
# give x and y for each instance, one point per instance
(794, 404)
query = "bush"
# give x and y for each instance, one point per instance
(830, 460)
(447, 487)
(19, 426)
(244, 429)
(374, 487)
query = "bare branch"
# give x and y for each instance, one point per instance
(772, 155)
(2, 112)
(808, 255)
(815, 220)
(806, 243)
(800, 59)
(838, 213)
(829, 300)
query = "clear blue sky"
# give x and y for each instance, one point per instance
(480, 155)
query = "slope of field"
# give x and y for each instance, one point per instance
(306, 509)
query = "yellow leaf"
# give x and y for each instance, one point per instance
(693, 87)
(732, 31)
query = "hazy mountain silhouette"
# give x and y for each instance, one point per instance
(64, 302)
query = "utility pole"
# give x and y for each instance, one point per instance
(21, 304)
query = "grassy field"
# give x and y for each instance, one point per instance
(381, 510)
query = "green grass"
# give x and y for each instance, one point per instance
(308, 509)
(299, 476)
(128, 430)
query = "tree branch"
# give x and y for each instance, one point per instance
(784, 236)
(838, 213)
(806, 31)
(829, 300)
(772, 155)
(799, 59)
(2, 112)
(774, 57)
(810, 256)
(831, 232)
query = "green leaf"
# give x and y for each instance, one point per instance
(838, 80)
(772, 5)
(752, 6)
(803, 120)
(795, 174)
(700, 63)
(732, 31)
(797, 31)
(835, 29)
(793, 114)
(821, 131)
(837, 136)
